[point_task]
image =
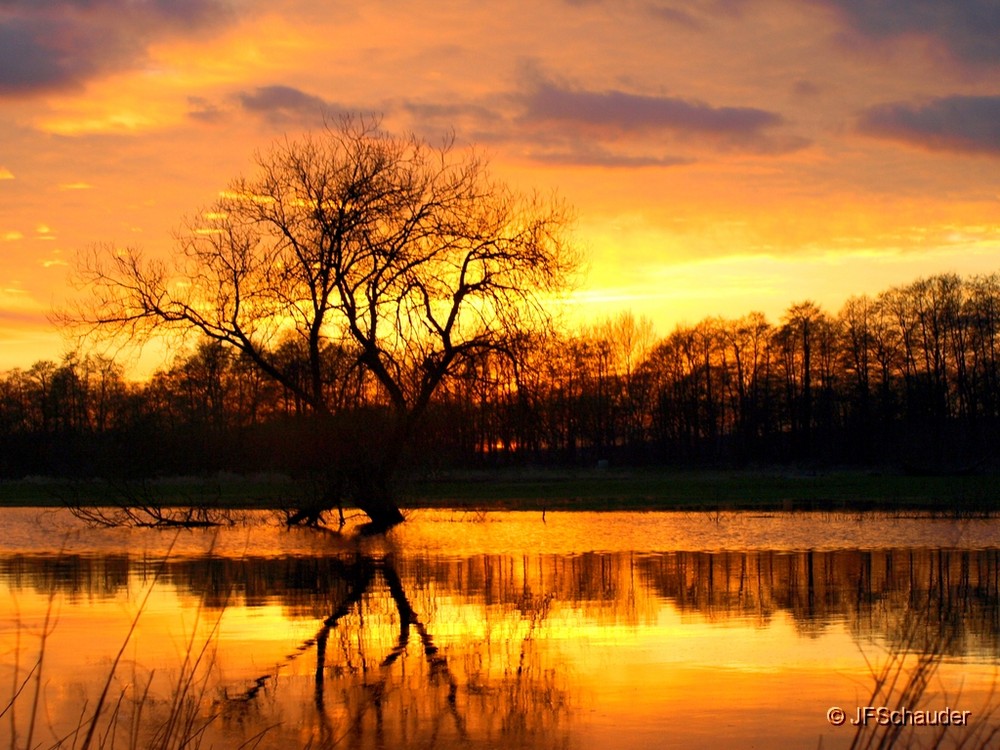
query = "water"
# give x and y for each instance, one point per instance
(611, 630)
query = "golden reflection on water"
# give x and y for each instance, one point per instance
(410, 642)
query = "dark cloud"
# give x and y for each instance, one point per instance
(632, 112)
(609, 112)
(595, 157)
(969, 124)
(482, 123)
(451, 112)
(51, 45)
(191, 15)
(204, 110)
(805, 89)
(280, 103)
(677, 17)
(146, 17)
(38, 55)
(689, 13)
(562, 146)
(554, 123)
(968, 29)
(277, 104)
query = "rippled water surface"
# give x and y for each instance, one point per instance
(617, 630)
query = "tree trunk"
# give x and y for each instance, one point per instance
(359, 455)
(383, 512)
(373, 492)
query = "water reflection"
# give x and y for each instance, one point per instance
(353, 647)
(867, 589)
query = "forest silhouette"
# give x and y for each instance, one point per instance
(907, 379)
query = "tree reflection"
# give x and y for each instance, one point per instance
(381, 680)
(870, 589)
(429, 650)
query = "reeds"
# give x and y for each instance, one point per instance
(127, 713)
(901, 682)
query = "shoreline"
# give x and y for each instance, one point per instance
(770, 489)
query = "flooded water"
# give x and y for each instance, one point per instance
(579, 630)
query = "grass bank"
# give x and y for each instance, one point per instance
(660, 489)
(552, 489)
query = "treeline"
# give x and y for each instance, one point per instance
(908, 379)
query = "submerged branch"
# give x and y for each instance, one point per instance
(135, 505)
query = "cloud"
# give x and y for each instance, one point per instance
(683, 13)
(611, 113)
(489, 123)
(281, 103)
(6, 174)
(278, 98)
(278, 104)
(593, 156)
(968, 124)
(55, 45)
(633, 112)
(22, 319)
(204, 110)
(969, 30)
(451, 112)
(552, 123)
(44, 54)
(479, 122)
(806, 89)
(677, 17)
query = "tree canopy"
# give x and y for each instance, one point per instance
(397, 259)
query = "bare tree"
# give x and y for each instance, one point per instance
(412, 257)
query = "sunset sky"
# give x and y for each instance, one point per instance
(723, 156)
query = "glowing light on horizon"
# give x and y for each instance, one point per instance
(677, 224)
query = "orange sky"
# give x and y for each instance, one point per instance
(723, 156)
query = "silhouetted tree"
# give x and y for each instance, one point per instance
(748, 343)
(410, 257)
